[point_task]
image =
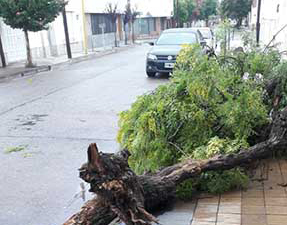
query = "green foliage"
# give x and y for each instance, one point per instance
(189, 10)
(30, 15)
(248, 38)
(222, 29)
(221, 34)
(184, 191)
(184, 11)
(213, 182)
(220, 182)
(198, 106)
(261, 63)
(279, 73)
(208, 108)
(217, 146)
(207, 9)
(235, 9)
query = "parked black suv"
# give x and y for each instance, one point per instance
(161, 58)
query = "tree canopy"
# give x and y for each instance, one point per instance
(235, 9)
(30, 15)
(189, 10)
(185, 10)
(208, 108)
(208, 8)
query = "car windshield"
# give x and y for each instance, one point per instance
(206, 33)
(177, 38)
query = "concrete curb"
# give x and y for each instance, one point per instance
(26, 72)
(93, 56)
(45, 68)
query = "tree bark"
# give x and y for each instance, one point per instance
(29, 62)
(3, 60)
(94, 212)
(131, 197)
(133, 32)
(239, 22)
(126, 27)
(116, 41)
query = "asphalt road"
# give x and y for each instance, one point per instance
(53, 117)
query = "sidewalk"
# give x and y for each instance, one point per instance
(235, 41)
(18, 69)
(263, 203)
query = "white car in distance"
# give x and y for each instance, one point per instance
(207, 35)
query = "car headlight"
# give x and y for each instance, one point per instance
(151, 56)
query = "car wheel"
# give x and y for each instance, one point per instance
(150, 74)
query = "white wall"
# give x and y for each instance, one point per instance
(47, 42)
(52, 42)
(13, 43)
(157, 8)
(271, 21)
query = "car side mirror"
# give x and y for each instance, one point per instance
(151, 43)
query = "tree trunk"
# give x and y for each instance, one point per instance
(94, 212)
(131, 197)
(116, 41)
(29, 62)
(239, 23)
(126, 33)
(133, 33)
(3, 60)
(206, 22)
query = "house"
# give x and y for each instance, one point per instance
(155, 17)
(273, 18)
(44, 43)
(95, 27)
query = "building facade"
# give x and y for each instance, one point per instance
(273, 18)
(100, 32)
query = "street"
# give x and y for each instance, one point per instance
(51, 118)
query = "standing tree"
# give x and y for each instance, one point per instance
(235, 9)
(207, 9)
(30, 15)
(2, 55)
(112, 11)
(127, 19)
(134, 14)
(183, 10)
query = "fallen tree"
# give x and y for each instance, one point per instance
(121, 193)
(204, 120)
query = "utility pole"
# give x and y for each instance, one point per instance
(68, 46)
(258, 22)
(84, 28)
(2, 54)
(177, 13)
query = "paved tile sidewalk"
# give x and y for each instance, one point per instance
(263, 203)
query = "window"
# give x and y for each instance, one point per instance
(101, 20)
(177, 38)
(152, 25)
